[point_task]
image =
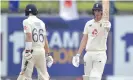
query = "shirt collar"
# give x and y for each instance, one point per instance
(32, 16)
(97, 21)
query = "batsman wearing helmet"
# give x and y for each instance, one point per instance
(94, 41)
(36, 46)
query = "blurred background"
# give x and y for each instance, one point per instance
(65, 21)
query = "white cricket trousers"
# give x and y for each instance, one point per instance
(38, 61)
(94, 62)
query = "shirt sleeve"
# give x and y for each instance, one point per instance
(86, 31)
(27, 27)
(45, 32)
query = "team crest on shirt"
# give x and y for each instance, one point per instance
(94, 32)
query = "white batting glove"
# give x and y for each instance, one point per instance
(106, 25)
(27, 55)
(49, 60)
(76, 60)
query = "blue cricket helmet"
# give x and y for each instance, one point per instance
(97, 6)
(31, 8)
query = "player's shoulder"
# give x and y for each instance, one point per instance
(25, 21)
(90, 22)
(41, 21)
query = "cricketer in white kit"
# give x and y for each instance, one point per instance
(94, 39)
(36, 46)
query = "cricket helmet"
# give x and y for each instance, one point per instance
(97, 6)
(31, 8)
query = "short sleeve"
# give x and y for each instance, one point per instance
(27, 27)
(86, 31)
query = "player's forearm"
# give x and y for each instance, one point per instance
(83, 44)
(28, 37)
(28, 42)
(46, 47)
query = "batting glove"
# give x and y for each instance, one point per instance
(76, 60)
(49, 60)
(27, 55)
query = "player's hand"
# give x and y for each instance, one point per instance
(76, 60)
(49, 60)
(106, 25)
(27, 55)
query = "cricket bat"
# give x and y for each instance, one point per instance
(105, 4)
(105, 17)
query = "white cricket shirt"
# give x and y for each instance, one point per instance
(37, 27)
(97, 35)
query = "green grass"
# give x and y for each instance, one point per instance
(82, 5)
(85, 5)
(127, 6)
(40, 4)
(4, 4)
